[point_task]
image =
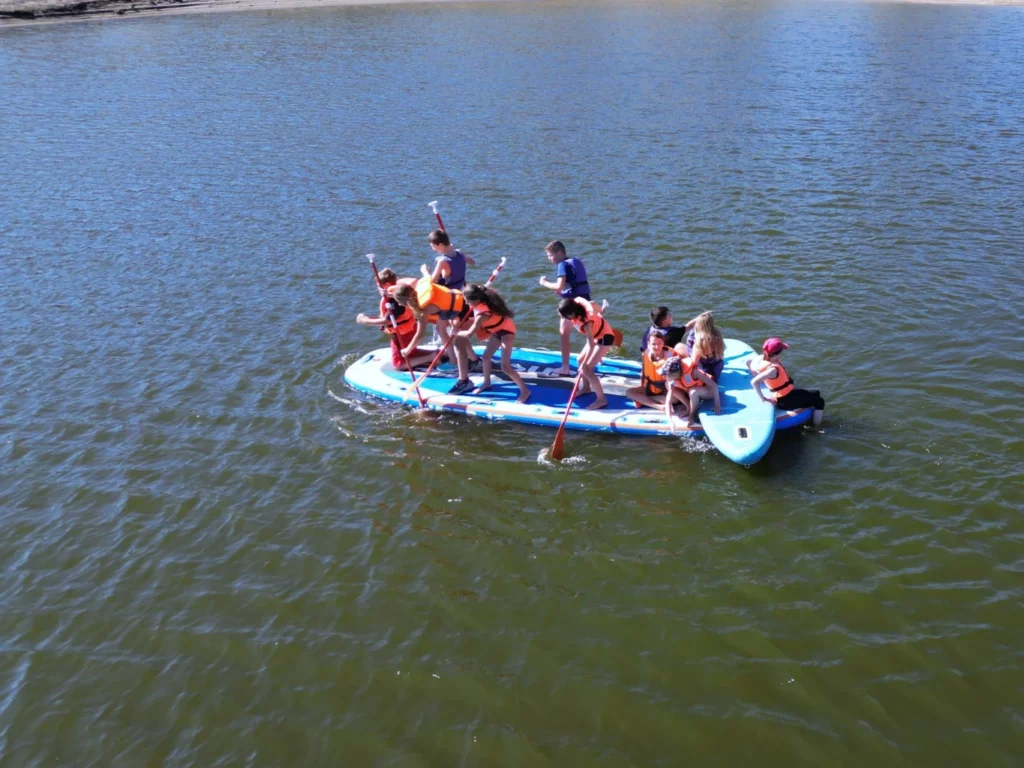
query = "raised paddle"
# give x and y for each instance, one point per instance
(394, 325)
(437, 214)
(442, 350)
(559, 443)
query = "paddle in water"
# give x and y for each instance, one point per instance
(559, 444)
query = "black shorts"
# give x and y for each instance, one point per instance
(608, 340)
(802, 398)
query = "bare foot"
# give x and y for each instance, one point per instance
(481, 388)
(523, 397)
(597, 404)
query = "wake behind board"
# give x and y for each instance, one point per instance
(374, 374)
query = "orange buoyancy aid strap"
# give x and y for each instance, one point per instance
(404, 318)
(492, 322)
(445, 299)
(651, 377)
(780, 384)
(687, 380)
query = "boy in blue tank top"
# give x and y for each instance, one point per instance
(570, 282)
(450, 267)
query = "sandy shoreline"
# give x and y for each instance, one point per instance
(20, 12)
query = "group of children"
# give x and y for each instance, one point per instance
(681, 365)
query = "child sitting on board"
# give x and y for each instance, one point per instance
(687, 384)
(570, 283)
(769, 371)
(402, 330)
(431, 303)
(492, 322)
(652, 389)
(600, 337)
(450, 265)
(706, 345)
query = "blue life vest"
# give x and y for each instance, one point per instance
(456, 280)
(576, 285)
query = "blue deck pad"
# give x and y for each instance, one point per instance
(743, 431)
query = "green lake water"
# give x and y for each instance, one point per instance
(215, 553)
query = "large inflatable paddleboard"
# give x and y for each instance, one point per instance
(742, 432)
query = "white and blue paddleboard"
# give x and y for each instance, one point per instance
(374, 374)
(743, 431)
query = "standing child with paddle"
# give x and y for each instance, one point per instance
(492, 322)
(600, 336)
(785, 396)
(432, 303)
(570, 283)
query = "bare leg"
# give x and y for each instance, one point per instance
(695, 396)
(581, 360)
(489, 350)
(641, 398)
(507, 343)
(424, 359)
(442, 331)
(565, 331)
(461, 346)
(470, 354)
(595, 381)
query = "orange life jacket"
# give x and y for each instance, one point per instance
(404, 319)
(449, 302)
(601, 327)
(688, 380)
(492, 324)
(780, 384)
(651, 377)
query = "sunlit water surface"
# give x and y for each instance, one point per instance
(216, 553)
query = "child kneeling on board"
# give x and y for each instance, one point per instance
(401, 332)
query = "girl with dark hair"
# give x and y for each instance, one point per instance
(492, 322)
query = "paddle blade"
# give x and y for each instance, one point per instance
(559, 444)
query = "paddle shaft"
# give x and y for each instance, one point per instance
(437, 215)
(394, 326)
(559, 442)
